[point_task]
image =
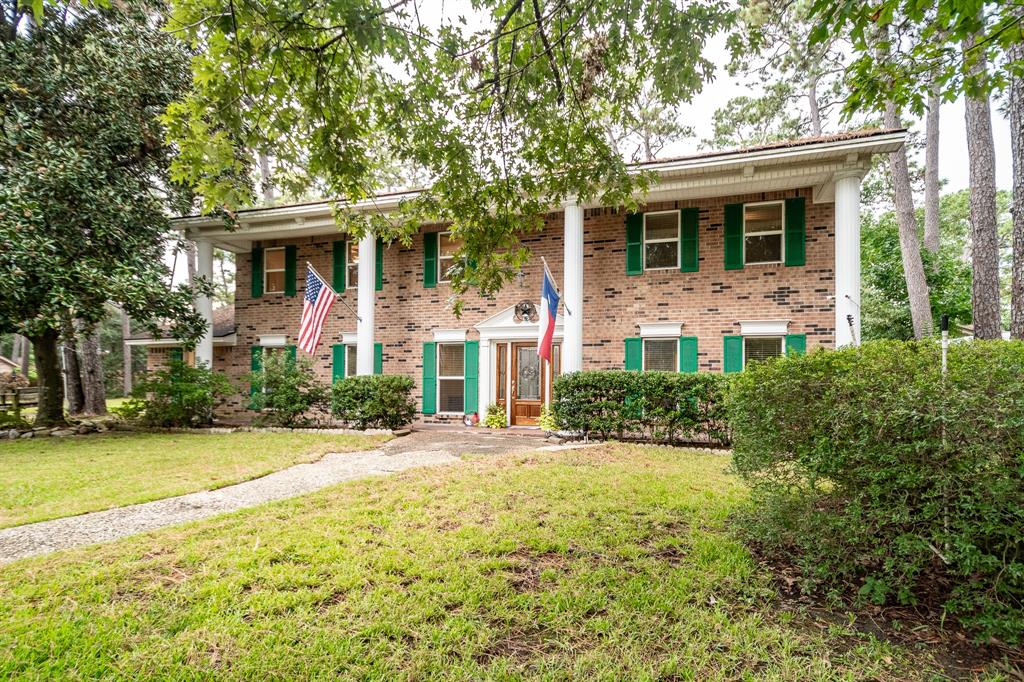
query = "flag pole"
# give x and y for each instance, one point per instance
(560, 297)
(337, 296)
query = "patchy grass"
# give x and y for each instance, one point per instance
(46, 478)
(608, 563)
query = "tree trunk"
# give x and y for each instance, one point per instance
(812, 103)
(910, 246)
(984, 234)
(931, 174)
(51, 388)
(266, 183)
(1015, 105)
(92, 374)
(23, 345)
(126, 352)
(73, 379)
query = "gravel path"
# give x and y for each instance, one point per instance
(422, 448)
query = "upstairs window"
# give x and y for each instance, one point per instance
(758, 348)
(763, 232)
(446, 248)
(661, 240)
(661, 355)
(351, 264)
(273, 270)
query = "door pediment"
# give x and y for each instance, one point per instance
(504, 325)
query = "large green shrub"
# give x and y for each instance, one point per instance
(876, 473)
(181, 396)
(656, 406)
(287, 392)
(379, 401)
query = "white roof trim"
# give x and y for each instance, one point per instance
(229, 340)
(764, 327)
(449, 335)
(652, 329)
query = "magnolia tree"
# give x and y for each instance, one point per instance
(84, 190)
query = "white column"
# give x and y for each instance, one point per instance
(847, 270)
(365, 305)
(572, 289)
(485, 372)
(204, 306)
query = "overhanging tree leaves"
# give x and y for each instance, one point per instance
(84, 189)
(506, 118)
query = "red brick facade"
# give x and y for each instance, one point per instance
(709, 302)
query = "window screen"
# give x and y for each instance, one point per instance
(273, 271)
(350, 360)
(446, 248)
(758, 348)
(450, 377)
(660, 355)
(352, 264)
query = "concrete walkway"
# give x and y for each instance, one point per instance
(421, 448)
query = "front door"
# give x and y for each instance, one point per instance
(527, 395)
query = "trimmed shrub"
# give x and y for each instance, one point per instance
(877, 475)
(379, 401)
(181, 396)
(654, 406)
(495, 418)
(287, 392)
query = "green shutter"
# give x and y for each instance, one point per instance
(430, 376)
(256, 364)
(634, 354)
(635, 244)
(291, 353)
(733, 354)
(687, 353)
(338, 362)
(430, 261)
(688, 247)
(339, 262)
(796, 231)
(379, 265)
(733, 236)
(378, 358)
(471, 393)
(290, 253)
(176, 354)
(796, 344)
(257, 272)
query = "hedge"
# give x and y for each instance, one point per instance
(880, 477)
(654, 406)
(376, 401)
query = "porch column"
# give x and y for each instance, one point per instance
(486, 373)
(572, 289)
(847, 268)
(365, 305)
(204, 306)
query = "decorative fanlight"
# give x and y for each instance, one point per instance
(526, 311)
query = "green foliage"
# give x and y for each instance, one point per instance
(131, 410)
(12, 420)
(745, 121)
(179, 396)
(655, 406)
(286, 391)
(378, 401)
(881, 478)
(495, 418)
(547, 421)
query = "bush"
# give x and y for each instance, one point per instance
(182, 396)
(547, 421)
(655, 406)
(132, 409)
(495, 418)
(876, 474)
(374, 402)
(287, 392)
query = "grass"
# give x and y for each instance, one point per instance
(29, 413)
(608, 563)
(46, 478)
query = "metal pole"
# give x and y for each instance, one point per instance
(945, 341)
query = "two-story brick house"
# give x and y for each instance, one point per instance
(735, 256)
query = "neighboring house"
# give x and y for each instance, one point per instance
(8, 366)
(735, 256)
(166, 347)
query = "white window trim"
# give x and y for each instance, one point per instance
(764, 327)
(348, 261)
(643, 351)
(274, 341)
(662, 241)
(349, 338)
(447, 377)
(449, 335)
(652, 329)
(780, 231)
(782, 346)
(267, 271)
(441, 272)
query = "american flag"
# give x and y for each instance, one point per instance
(315, 305)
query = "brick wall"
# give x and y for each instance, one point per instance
(709, 302)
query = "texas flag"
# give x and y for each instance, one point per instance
(548, 312)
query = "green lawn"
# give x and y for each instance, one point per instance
(610, 563)
(45, 478)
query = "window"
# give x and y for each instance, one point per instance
(273, 271)
(351, 264)
(350, 360)
(451, 378)
(762, 232)
(446, 248)
(661, 355)
(661, 240)
(758, 348)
